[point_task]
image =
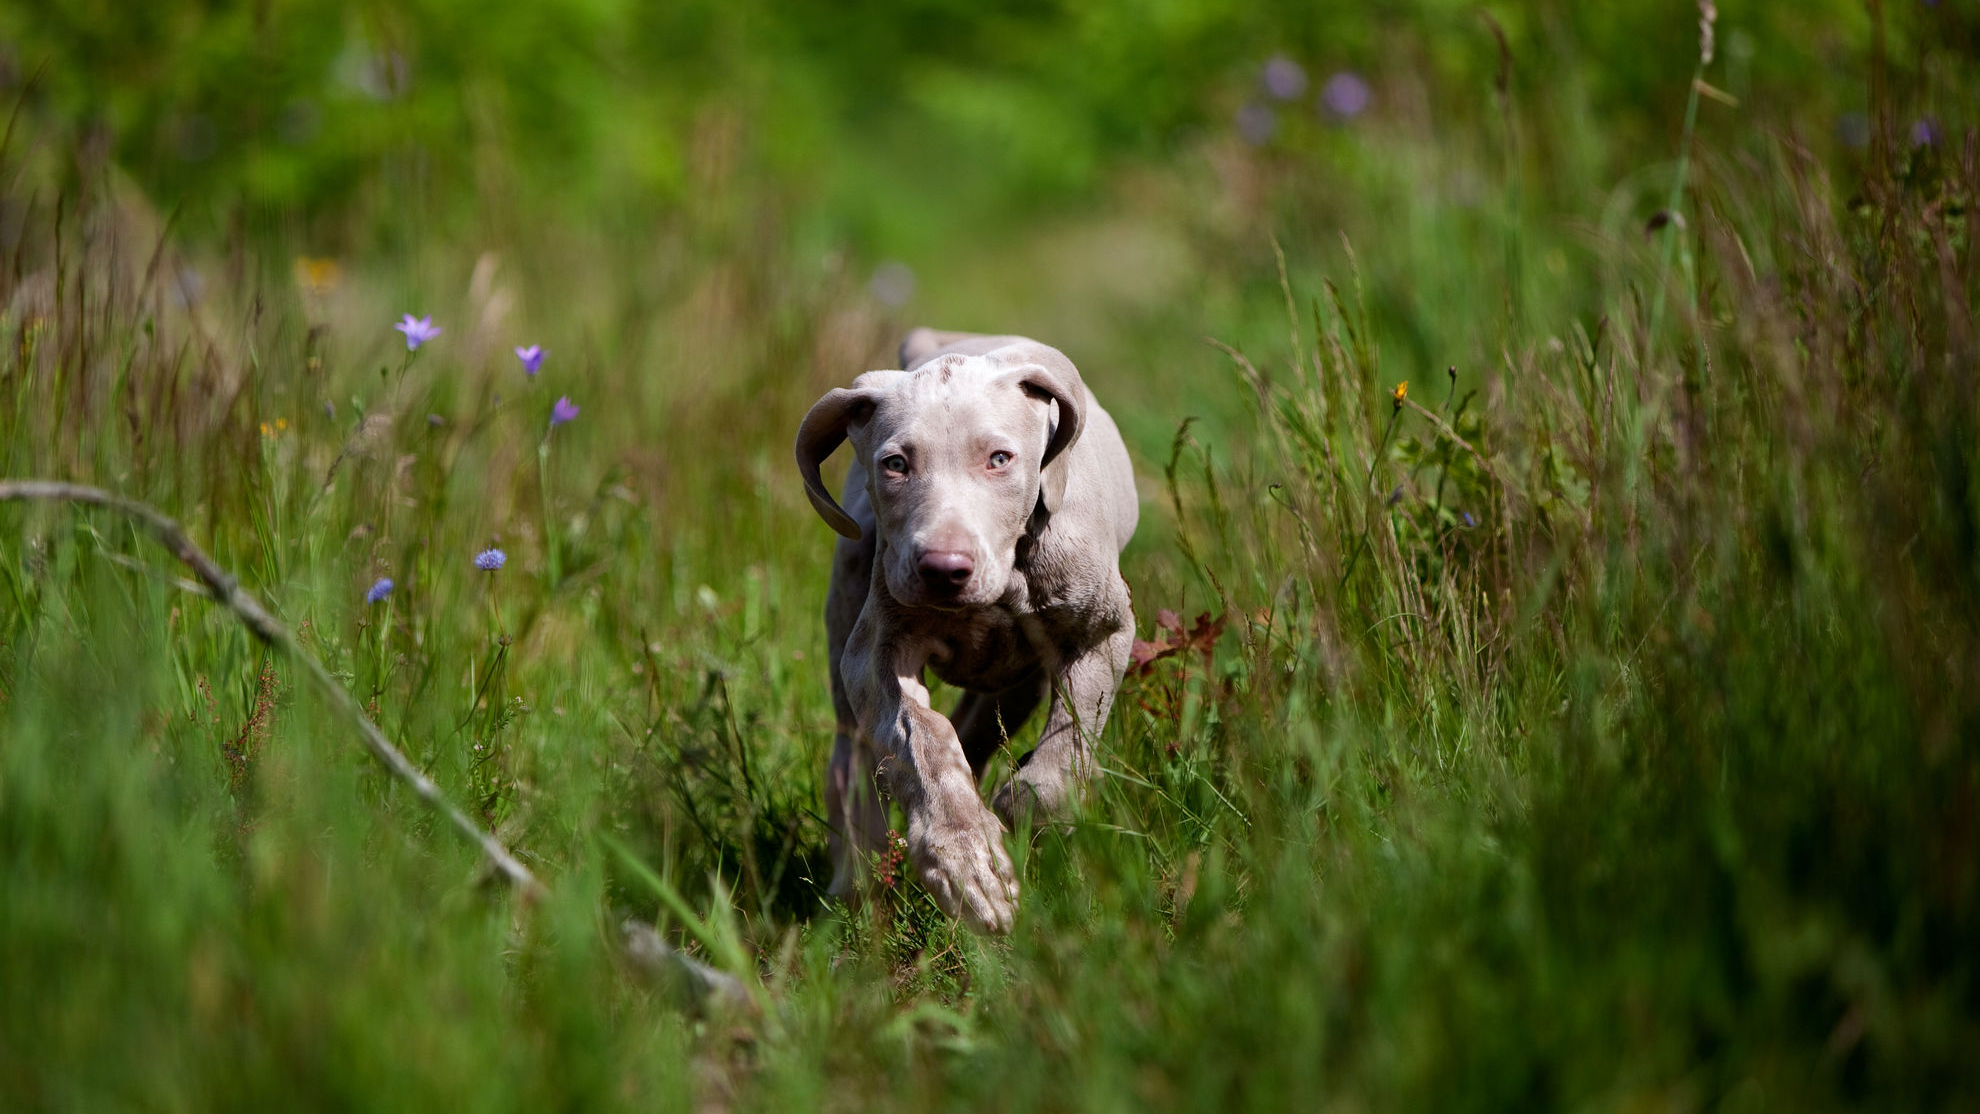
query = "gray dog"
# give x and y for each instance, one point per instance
(983, 523)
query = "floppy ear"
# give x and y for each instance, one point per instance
(821, 432)
(1047, 373)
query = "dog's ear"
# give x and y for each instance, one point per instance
(823, 428)
(1045, 372)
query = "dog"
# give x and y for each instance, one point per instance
(982, 524)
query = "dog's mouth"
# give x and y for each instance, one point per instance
(924, 601)
(920, 598)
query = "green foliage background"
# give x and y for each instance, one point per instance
(1594, 726)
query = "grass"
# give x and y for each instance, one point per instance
(1593, 724)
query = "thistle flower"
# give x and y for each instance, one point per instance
(418, 330)
(379, 590)
(563, 411)
(488, 560)
(532, 359)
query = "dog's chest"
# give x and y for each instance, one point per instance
(987, 650)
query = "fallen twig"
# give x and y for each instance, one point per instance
(644, 947)
(226, 591)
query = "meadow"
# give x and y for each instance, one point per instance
(1557, 435)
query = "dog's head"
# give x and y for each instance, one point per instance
(958, 454)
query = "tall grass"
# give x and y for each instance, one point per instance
(1593, 722)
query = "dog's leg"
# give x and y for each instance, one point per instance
(985, 721)
(954, 842)
(857, 815)
(853, 807)
(1048, 781)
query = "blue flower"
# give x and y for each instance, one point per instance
(488, 560)
(379, 590)
(418, 330)
(532, 359)
(1256, 122)
(564, 411)
(1345, 95)
(1283, 78)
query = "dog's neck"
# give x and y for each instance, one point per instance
(1027, 542)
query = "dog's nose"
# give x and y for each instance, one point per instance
(945, 571)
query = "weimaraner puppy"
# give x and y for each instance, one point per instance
(982, 528)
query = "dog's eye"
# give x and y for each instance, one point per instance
(894, 462)
(999, 458)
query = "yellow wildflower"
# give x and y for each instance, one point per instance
(317, 276)
(1401, 392)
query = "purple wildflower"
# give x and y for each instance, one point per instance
(1468, 520)
(418, 330)
(1853, 128)
(563, 412)
(1345, 95)
(1283, 78)
(1256, 122)
(532, 359)
(488, 560)
(379, 590)
(1924, 132)
(892, 283)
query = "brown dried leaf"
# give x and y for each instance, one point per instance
(1201, 637)
(1146, 654)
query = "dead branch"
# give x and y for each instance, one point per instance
(226, 591)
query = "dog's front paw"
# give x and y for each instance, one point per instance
(962, 862)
